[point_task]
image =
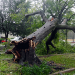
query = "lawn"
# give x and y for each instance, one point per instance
(65, 60)
(7, 66)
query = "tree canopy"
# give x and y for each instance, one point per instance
(13, 14)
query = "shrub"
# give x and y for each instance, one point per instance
(7, 44)
(61, 47)
(43, 69)
(41, 49)
(1, 39)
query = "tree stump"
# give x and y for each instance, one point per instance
(24, 51)
(28, 56)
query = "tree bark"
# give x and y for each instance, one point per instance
(42, 32)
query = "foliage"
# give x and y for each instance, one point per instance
(41, 47)
(56, 38)
(61, 47)
(43, 69)
(7, 66)
(60, 8)
(36, 23)
(1, 38)
(21, 24)
(7, 44)
(20, 15)
(13, 19)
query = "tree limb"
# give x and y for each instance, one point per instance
(71, 17)
(66, 27)
(43, 16)
(43, 5)
(63, 7)
(27, 15)
(50, 11)
(61, 11)
(38, 12)
(65, 11)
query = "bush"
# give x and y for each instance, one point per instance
(61, 47)
(43, 69)
(7, 44)
(41, 49)
(1, 39)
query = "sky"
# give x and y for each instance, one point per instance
(73, 9)
(35, 3)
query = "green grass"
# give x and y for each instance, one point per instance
(6, 56)
(66, 60)
(7, 66)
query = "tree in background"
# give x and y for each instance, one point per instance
(16, 9)
(18, 17)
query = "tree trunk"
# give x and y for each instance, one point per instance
(42, 32)
(6, 35)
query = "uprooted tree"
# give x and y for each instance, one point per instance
(24, 50)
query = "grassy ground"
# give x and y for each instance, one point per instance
(8, 67)
(65, 60)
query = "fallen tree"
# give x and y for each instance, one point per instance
(24, 50)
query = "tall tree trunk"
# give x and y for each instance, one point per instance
(6, 35)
